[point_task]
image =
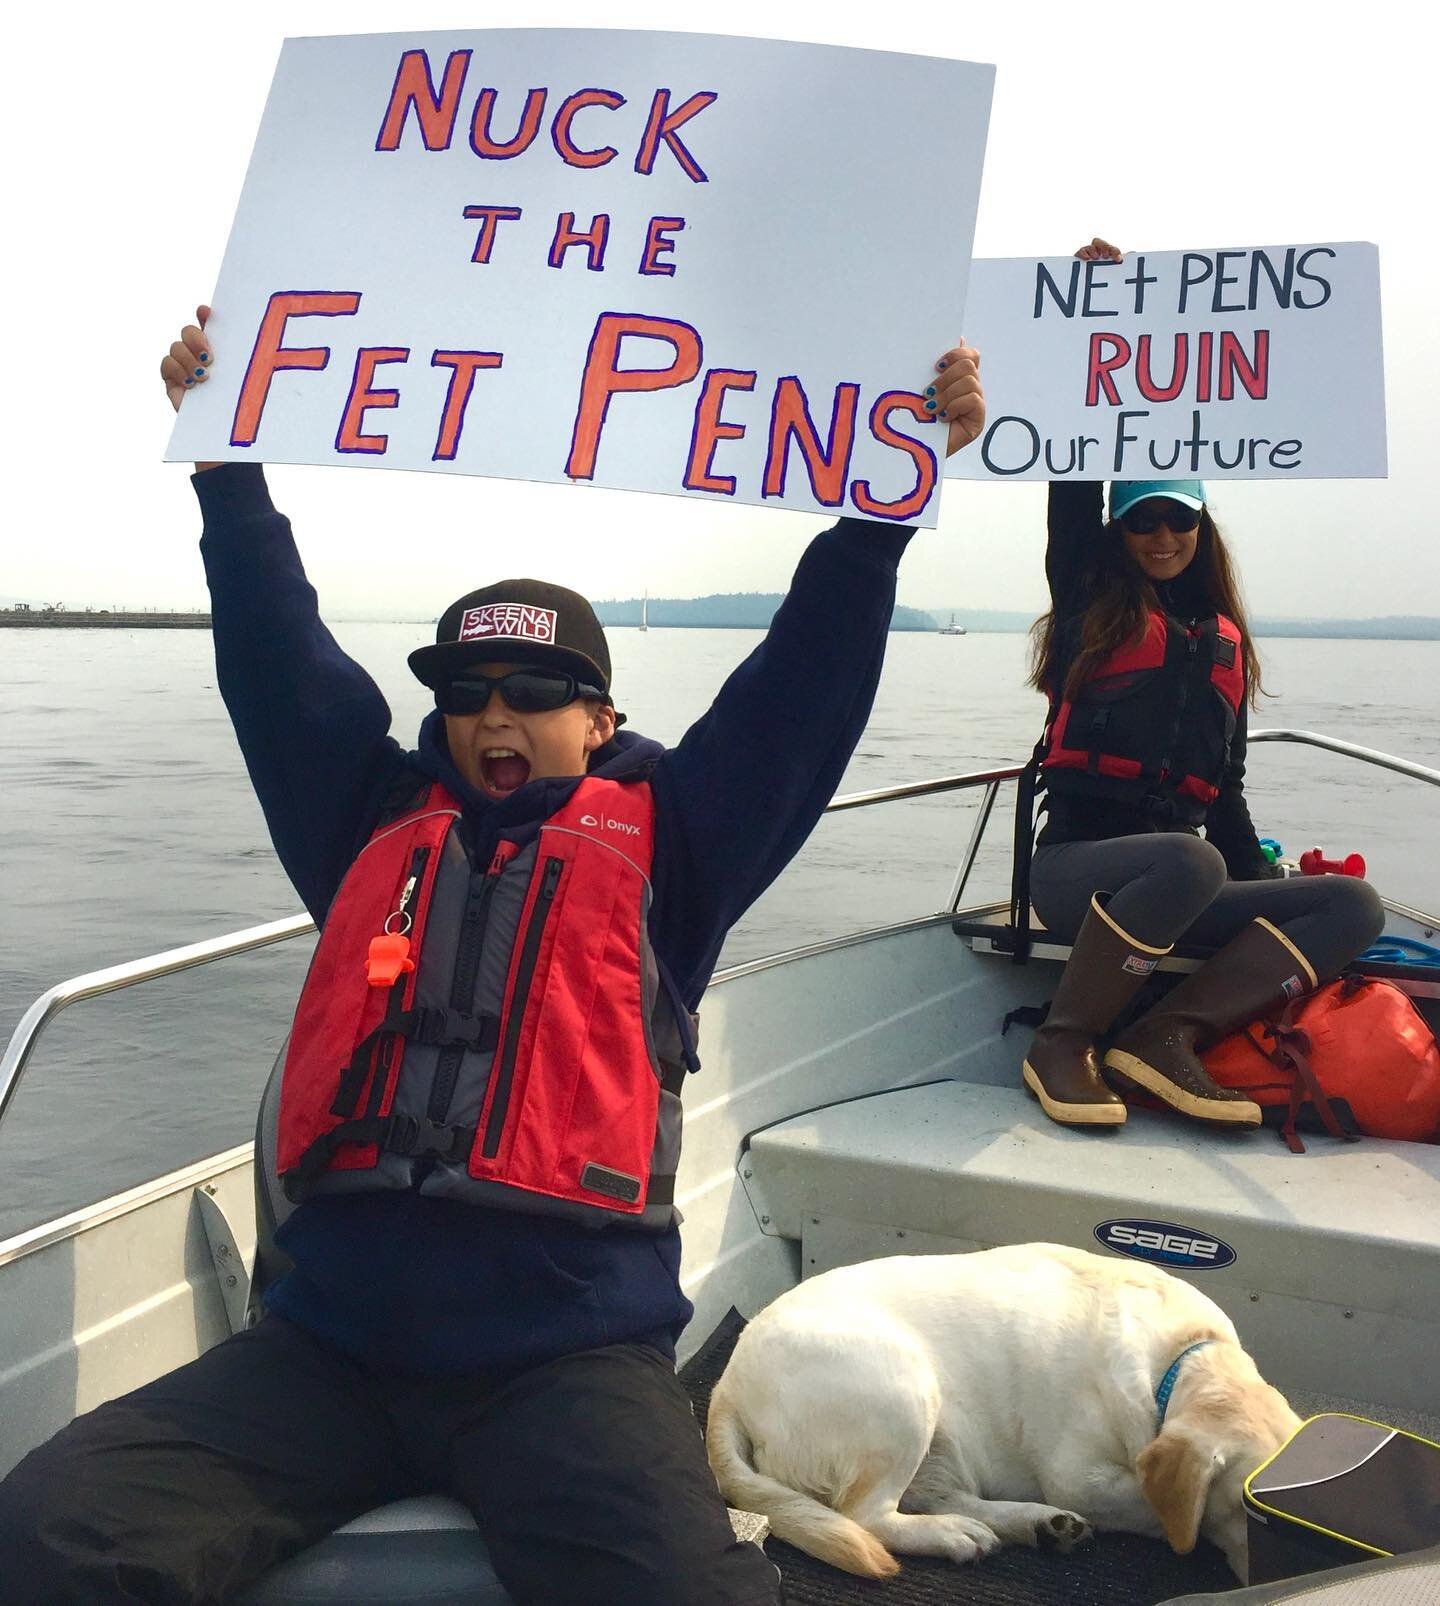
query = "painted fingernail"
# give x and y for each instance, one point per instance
(204, 356)
(944, 412)
(930, 390)
(929, 406)
(189, 381)
(939, 365)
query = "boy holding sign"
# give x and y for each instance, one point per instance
(479, 1115)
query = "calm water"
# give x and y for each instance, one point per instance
(129, 827)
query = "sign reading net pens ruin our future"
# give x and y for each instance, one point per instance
(658, 262)
(1244, 364)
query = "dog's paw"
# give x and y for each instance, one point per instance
(983, 1539)
(1062, 1531)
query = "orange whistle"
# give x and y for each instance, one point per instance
(388, 959)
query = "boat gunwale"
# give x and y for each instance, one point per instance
(193, 1174)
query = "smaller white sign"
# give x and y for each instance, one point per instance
(1262, 363)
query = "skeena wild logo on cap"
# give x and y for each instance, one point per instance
(516, 621)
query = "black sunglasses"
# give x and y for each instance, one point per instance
(526, 691)
(1145, 521)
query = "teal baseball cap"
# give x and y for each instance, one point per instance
(1124, 494)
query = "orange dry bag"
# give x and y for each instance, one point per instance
(1356, 1053)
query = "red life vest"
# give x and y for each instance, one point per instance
(502, 1035)
(1154, 720)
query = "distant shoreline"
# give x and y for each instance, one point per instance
(753, 611)
(100, 619)
(690, 614)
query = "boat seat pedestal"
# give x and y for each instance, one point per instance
(425, 1549)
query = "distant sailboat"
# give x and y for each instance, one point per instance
(952, 629)
(644, 611)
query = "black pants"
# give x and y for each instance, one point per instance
(587, 1477)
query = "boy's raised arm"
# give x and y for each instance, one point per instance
(312, 725)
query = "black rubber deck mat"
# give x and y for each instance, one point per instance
(1115, 1570)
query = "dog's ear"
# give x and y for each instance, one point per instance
(1176, 1471)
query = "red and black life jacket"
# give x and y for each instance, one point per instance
(1154, 721)
(499, 1034)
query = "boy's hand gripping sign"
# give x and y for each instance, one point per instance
(1239, 364)
(659, 262)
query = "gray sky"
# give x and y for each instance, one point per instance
(1160, 126)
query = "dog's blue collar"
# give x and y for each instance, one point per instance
(1167, 1383)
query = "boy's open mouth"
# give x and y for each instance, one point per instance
(503, 770)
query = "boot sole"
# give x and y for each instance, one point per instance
(1218, 1112)
(1072, 1114)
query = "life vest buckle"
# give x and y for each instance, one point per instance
(452, 1028)
(417, 1136)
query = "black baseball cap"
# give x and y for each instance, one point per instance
(516, 621)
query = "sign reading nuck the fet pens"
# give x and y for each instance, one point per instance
(1236, 364)
(661, 262)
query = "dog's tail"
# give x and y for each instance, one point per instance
(816, 1529)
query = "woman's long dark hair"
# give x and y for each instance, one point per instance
(1120, 600)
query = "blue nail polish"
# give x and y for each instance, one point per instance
(929, 406)
(930, 390)
(944, 412)
(941, 363)
(189, 381)
(204, 356)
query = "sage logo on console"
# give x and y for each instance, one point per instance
(1166, 1243)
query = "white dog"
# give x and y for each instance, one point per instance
(944, 1405)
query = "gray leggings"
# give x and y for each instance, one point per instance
(1169, 884)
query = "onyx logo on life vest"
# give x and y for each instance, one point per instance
(607, 824)
(1164, 1243)
(514, 619)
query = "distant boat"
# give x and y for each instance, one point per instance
(645, 611)
(952, 629)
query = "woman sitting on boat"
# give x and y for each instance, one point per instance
(1149, 668)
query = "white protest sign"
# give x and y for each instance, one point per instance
(1243, 364)
(659, 262)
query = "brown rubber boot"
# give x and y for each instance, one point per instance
(1251, 974)
(1105, 968)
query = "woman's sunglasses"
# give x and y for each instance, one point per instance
(526, 691)
(1145, 521)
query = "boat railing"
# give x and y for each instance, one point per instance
(1366, 755)
(97, 983)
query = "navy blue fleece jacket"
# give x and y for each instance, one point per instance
(432, 1285)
